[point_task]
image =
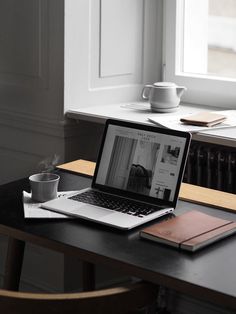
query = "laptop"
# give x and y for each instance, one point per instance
(137, 176)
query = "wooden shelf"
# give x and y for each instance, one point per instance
(188, 192)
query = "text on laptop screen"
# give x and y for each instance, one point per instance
(140, 161)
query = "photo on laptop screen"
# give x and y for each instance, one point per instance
(141, 161)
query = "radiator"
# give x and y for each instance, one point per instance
(211, 166)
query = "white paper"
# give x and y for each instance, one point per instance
(173, 122)
(33, 210)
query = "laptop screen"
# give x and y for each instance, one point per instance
(142, 161)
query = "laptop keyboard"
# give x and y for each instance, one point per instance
(116, 203)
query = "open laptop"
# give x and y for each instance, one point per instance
(137, 176)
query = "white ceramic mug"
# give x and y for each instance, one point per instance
(163, 96)
(44, 186)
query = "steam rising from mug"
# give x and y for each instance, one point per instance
(48, 164)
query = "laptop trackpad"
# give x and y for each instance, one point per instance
(94, 212)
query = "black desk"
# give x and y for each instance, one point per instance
(208, 274)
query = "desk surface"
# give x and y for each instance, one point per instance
(208, 274)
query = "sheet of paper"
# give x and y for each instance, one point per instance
(173, 122)
(33, 209)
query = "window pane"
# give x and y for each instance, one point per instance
(209, 37)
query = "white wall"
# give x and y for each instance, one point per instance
(115, 50)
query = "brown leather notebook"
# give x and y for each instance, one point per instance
(204, 118)
(189, 231)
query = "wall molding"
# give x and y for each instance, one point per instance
(62, 128)
(32, 70)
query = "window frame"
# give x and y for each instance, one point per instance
(201, 89)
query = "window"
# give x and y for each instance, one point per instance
(200, 50)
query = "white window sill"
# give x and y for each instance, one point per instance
(99, 114)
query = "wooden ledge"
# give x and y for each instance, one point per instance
(188, 192)
(204, 196)
(79, 166)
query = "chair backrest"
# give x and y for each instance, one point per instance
(117, 300)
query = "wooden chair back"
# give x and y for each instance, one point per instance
(118, 300)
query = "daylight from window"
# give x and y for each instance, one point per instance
(209, 38)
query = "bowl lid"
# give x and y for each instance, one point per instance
(165, 84)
